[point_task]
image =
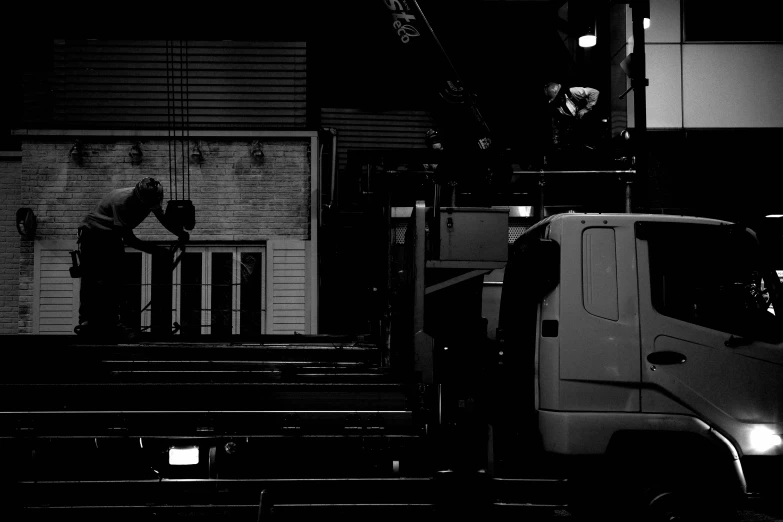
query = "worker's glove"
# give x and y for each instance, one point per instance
(582, 113)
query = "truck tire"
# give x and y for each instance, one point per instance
(669, 476)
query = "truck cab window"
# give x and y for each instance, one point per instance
(714, 277)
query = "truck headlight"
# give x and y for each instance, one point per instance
(763, 439)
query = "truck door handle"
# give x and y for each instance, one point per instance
(735, 341)
(664, 358)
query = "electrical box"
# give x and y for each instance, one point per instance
(473, 234)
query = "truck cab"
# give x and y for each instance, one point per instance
(651, 340)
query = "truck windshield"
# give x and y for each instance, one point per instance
(713, 276)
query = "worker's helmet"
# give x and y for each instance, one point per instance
(551, 91)
(150, 192)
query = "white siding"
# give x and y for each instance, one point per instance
(56, 293)
(287, 301)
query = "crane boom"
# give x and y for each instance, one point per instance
(415, 33)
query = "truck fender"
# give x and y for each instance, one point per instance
(704, 455)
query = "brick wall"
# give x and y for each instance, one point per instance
(237, 198)
(10, 170)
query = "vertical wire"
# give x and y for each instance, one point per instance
(182, 116)
(174, 118)
(168, 110)
(187, 101)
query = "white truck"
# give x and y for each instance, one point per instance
(650, 344)
(637, 366)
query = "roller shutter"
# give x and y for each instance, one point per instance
(364, 130)
(123, 84)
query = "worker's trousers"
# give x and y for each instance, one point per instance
(101, 257)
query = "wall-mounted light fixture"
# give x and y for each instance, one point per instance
(195, 153)
(76, 151)
(135, 153)
(255, 150)
(643, 11)
(587, 37)
(26, 223)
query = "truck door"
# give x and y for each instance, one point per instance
(711, 344)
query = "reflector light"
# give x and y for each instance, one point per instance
(763, 439)
(183, 456)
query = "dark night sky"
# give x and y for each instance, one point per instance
(503, 51)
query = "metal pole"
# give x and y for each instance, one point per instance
(333, 172)
(264, 510)
(423, 343)
(639, 84)
(435, 223)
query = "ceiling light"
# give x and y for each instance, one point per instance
(587, 40)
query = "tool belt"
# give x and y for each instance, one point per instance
(75, 269)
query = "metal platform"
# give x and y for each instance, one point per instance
(431, 499)
(316, 424)
(61, 387)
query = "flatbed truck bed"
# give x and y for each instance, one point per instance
(316, 423)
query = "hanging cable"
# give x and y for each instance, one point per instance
(173, 158)
(183, 143)
(180, 207)
(168, 109)
(187, 101)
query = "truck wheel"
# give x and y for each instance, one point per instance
(665, 506)
(676, 477)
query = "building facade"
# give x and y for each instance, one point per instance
(714, 117)
(250, 266)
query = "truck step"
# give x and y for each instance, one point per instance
(519, 492)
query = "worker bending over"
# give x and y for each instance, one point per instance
(102, 236)
(569, 107)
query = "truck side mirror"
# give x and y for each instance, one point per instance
(532, 272)
(547, 256)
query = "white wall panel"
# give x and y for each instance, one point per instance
(664, 22)
(734, 85)
(664, 94)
